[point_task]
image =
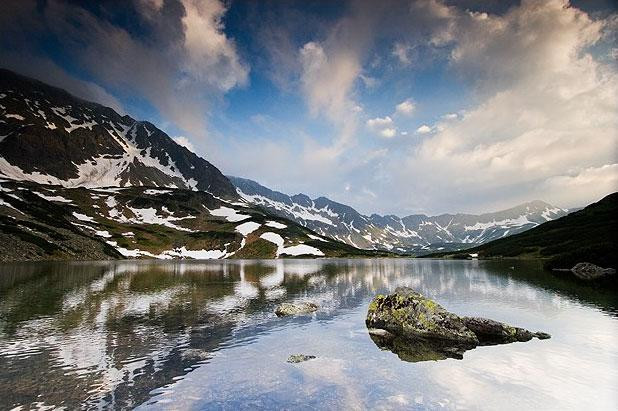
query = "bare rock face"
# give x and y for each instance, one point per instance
(286, 309)
(589, 271)
(419, 329)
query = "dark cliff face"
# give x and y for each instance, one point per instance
(50, 136)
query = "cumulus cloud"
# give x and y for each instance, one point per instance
(424, 129)
(180, 68)
(379, 122)
(547, 121)
(211, 56)
(383, 126)
(406, 107)
(388, 132)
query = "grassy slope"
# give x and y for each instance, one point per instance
(585, 235)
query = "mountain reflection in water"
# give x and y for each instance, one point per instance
(119, 334)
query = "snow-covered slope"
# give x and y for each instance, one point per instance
(51, 222)
(48, 136)
(414, 233)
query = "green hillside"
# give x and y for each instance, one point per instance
(586, 235)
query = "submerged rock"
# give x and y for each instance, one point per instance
(286, 309)
(419, 329)
(296, 358)
(589, 271)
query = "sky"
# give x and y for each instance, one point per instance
(391, 107)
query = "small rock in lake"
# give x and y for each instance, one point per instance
(589, 271)
(286, 309)
(296, 358)
(419, 329)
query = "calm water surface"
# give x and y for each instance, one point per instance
(202, 335)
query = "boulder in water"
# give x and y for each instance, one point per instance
(419, 329)
(286, 309)
(589, 271)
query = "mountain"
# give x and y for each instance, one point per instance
(52, 222)
(80, 181)
(412, 234)
(587, 235)
(49, 136)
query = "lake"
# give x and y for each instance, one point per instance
(203, 335)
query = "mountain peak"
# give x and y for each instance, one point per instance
(52, 137)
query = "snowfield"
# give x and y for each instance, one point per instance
(230, 214)
(294, 250)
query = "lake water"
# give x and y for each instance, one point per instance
(202, 335)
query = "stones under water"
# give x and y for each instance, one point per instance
(296, 358)
(419, 329)
(286, 309)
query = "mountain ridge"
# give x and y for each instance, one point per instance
(81, 143)
(416, 233)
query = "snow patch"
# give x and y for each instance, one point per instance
(53, 198)
(248, 227)
(230, 214)
(83, 217)
(275, 224)
(291, 250)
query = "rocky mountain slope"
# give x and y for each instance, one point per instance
(415, 233)
(49, 136)
(80, 181)
(51, 222)
(585, 235)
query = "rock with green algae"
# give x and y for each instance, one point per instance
(296, 358)
(286, 309)
(419, 329)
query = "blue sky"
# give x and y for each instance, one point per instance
(391, 107)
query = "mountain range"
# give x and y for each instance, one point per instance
(416, 233)
(67, 149)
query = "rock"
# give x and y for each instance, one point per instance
(493, 332)
(589, 271)
(286, 309)
(419, 329)
(409, 314)
(296, 358)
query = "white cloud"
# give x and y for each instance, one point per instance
(424, 129)
(547, 123)
(211, 56)
(383, 126)
(404, 133)
(450, 116)
(406, 107)
(182, 66)
(379, 122)
(388, 132)
(185, 142)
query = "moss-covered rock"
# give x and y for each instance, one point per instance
(419, 329)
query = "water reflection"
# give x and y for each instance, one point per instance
(119, 334)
